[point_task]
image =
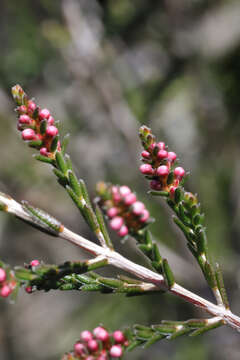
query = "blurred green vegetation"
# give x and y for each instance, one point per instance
(103, 67)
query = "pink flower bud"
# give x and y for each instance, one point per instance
(145, 216)
(162, 154)
(172, 156)
(146, 169)
(130, 199)
(44, 151)
(172, 191)
(123, 231)
(152, 146)
(161, 145)
(28, 289)
(116, 351)
(22, 109)
(124, 190)
(97, 330)
(145, 154)
(86, 335)
(3, 275)
(5, 291)
(79, 349)
(34, 263)
(117, 197)
(101, 334)
(31, 107)
(179, 172)
(51, 131)
(24, 119)
(28, 134)
(138, 207)
(51, 120)
(155, 185)
(114, 189)
(116, 223)
(162, 170)
(112, 212)
(119, 337)
(92, 345)
(89, 357)
(44, 114)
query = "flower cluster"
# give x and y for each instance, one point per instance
(36, 124)
(7, 283)
(120, 204)
(99, 344)
(158, 163)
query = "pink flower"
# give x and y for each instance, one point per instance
(161, 145)
(155, 185)
(86, 335)
(179, 172)
(145, 216)
(51, 131)
(145, 154)
(146, 169)
(119, 337)
(124, 190)
(116, 351)
(123, 231)
(92, 345)
(162, 154)
(24, 119)
(101, 333)
(28, 289)
(28, 134)
(3, 275)
(116, 223)
(5, 291)
(162, 170)
(44, 114)
(34, 263)
(130, 199)
(172, 156)
(44, 151)
(31, 107)
(112, 212)
(138, 207)
(79, 349)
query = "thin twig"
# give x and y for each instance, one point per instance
(117, 260)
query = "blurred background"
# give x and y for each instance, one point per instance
(103, 68)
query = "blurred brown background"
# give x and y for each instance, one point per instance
(103, 68)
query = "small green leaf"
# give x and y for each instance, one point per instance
(61, 176)
(178, 194)
(74, 183)
(43, 126)
(54, 143)
(35, 143)
(202, 242)
(210, 275)
(61, 162)
(103, 228)
(43, 219)
(168, 274)
(207, 328)
(221, 286)
(44, 159)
